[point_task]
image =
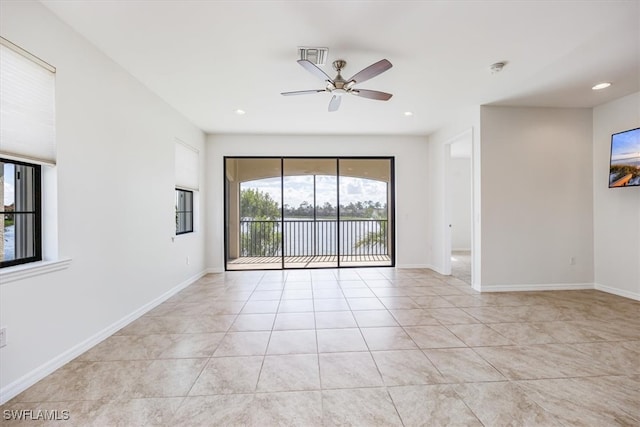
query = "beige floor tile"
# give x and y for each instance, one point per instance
(476, 335)
(337, 340)
(348, 370)
(228, 375)
(406, 367)
(293, 342)
(209, 323)
(387, 338)
(431, 405)
(296, 294)
(588, 401)
(221, 410)
(373, 318)
(191, 345)
(462, 365)
(542, 361)
(487, 402)
(294, 408)
(128, 347)
(359, 407)
(296, 306)
(399, 303)
(168, 378)
(243, 344)
(335, 320)
(259, 306)
(253, 322)
(525, 358)
(451, 316)
(155, 325)
(365, 304)
(130, 412)
(523, 333)
(288, 321)
(294, 372)
(414, 317)
(433, 337)
(331, 304)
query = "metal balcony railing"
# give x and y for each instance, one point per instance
(301, 237)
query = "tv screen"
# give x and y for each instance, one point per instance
(624, 168)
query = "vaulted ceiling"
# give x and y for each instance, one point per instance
(210, 58)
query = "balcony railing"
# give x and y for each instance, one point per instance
(321, 237)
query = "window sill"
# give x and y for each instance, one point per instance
(33, 269)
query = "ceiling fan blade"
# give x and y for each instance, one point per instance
(302, 92)
(371, 71)
(313, 69)
(372, 94)
(334, 104)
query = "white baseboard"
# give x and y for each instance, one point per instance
(214, 270)
(405, 266)
(536, 287)
(18, 386)
(619, 292)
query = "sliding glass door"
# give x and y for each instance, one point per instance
(308, 212)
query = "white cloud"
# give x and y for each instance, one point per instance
(298, 189)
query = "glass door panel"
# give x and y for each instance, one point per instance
(365, 212)
(253, 227)
(309, 223)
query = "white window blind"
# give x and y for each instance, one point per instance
(186, 159)
(27, 106)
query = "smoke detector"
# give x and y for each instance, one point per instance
(497, 67)
(316, 55)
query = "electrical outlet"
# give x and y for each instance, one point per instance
(187, 260)
(3, 337)
(572, 260)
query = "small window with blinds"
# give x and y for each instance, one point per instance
(187, 182)
(27, 143)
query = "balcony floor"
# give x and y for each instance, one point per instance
(322, 261)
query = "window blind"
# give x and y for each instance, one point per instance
(186, 166)
(27, 106)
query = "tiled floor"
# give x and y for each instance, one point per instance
(357, 347)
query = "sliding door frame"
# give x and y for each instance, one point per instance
(391, 206)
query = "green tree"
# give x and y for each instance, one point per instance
(374, 239)
(256, 204)
(259, 236)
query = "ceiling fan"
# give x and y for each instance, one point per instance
(338, 86)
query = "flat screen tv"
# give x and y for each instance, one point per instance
(624, 167)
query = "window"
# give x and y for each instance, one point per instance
(21, 232)
(184, 211)
(27, 153)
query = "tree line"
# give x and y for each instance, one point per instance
(257, 204)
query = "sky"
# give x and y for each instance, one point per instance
(625, 145)
(8, 184)
(300, 188)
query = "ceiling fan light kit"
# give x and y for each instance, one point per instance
(338, 86)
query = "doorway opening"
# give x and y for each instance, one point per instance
(459, 207)
(311, 212)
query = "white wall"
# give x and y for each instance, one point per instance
(616, 211)
(116, 204)
(537, 198)
(460, 184)
(410, 155)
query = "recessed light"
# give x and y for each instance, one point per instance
(239, 112)
(601, 86)
(408, 113)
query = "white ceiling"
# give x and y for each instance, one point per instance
(209, 58)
